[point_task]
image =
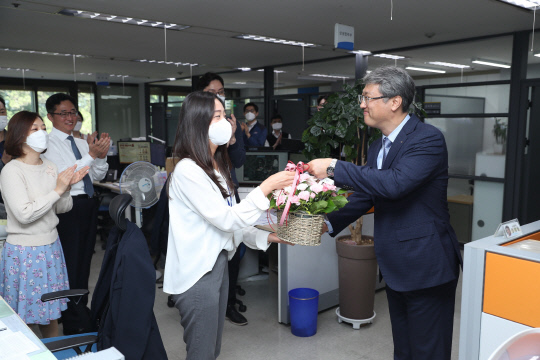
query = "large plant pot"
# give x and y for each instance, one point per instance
(357, 278)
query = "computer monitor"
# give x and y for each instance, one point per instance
(133, 151)
(261, 164)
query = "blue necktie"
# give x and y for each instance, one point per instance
(88, 186)
(386, 148)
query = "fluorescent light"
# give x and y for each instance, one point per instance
(14, 69)
(244, 68)
(40, 52)
(121, 19)
(171, 79)
(275, 71)
(390, 56)
(361, 52)
(491, 63)
(424, 69)
(240, 82)
(165, 62)
(274, 40)
(330, 76)
(441, 63)
(526, 4)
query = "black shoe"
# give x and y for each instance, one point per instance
(234, 316)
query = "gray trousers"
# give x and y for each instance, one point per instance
(202, 312)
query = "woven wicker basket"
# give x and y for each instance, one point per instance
(301, 229)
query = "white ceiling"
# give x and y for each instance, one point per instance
(110, 47)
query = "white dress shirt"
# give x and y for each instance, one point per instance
(59, 151)
(202, 224)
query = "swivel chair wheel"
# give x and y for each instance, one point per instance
(242, 308)
(170, 302)
(240, 291)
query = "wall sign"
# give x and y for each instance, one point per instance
(344, 37)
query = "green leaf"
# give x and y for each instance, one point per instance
(331, 207)
(318, 206)
(342, 191)
(316, 130)
(340, 201)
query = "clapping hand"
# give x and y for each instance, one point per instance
(99, 148)
(69, 177)
(232, 121)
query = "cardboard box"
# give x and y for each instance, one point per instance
(169, 165)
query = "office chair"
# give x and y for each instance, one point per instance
(105, 222)
(106, 312)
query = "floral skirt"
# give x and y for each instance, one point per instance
(26, 273)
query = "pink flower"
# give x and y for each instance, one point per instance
(312, 195)
(295, 200)
(327, 187)
(281, 200)
(304, 195)
(290, 167)
(316, 188)
(304, 177)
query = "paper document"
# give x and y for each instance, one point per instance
(15, 345)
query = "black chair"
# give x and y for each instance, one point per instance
(77, 344)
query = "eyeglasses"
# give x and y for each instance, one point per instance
(367, 99)
(66, 114)
(218, 92)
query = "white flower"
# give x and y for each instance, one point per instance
(302, 186)
(287, 190)
(327, 181)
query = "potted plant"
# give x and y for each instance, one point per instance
(499, 131)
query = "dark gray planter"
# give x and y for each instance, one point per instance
(357, 277)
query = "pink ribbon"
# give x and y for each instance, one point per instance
(299, 168)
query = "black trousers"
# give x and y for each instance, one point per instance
(234, 268)
(77, 231)
(422, 322)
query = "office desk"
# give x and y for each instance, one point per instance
(15, 323)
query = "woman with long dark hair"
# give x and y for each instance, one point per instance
(206, 224)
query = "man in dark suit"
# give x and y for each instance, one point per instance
(254, 132)
(406, 179)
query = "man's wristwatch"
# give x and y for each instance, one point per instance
(330, 169)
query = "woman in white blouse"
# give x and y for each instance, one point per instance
(206, 224)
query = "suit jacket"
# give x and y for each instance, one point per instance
(123, 300)
(237, 152)
(415, 244)
(258, 135)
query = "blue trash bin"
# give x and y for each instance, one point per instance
(303, 310)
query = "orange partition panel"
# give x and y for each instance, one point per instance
(512, 289)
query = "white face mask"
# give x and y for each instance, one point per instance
(38, 141)
(220, 133)
(277, 126)
(250, 116)
(221, 97)
(78, 126)
(3, 122)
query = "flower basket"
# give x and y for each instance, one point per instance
(305, 204)
(301, 228)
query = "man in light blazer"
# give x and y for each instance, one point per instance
(406, 181)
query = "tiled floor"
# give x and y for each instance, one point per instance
(265, 338)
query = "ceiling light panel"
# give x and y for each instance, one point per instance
(177, 63)
(23, 51)
(330, 76)
(122, 19)
(390, 56)
(526, 4)
(442, 63)
(425, 69)
(274, 40)
(491, 63)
